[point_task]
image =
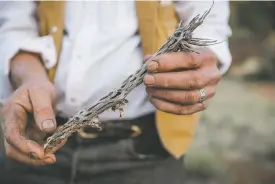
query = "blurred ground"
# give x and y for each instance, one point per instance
(234, 142)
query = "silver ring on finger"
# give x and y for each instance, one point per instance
(203, 95)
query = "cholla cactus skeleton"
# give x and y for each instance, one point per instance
(181, 40)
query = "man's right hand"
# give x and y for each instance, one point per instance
(34, 98)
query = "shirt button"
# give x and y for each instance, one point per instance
(54, 29)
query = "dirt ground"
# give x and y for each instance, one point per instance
(234, 142)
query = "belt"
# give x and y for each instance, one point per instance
(116, 129)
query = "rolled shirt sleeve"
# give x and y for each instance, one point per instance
(215, 26)
(18, 31)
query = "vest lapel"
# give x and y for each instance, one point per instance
(156, 23)
(50, 16)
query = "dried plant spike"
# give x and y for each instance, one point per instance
(180, 41)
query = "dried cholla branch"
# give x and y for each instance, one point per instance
(181, 40)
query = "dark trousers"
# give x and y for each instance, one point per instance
(139, 160)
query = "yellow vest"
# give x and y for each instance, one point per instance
(156, 22)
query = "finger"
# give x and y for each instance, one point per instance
(174, 61)
(180, 96)
(14, 154)
(14, 131)
(176, 108)
(146, 58)
(34, 133)
(187, 80)
(43, 110)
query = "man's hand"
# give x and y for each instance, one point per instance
(174, 80)
(36, 99)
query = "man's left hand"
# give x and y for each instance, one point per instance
(174, 81)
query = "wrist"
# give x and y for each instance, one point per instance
(26, 67)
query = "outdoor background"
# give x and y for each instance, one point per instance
(235, 140)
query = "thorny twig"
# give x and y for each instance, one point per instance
(181, 40)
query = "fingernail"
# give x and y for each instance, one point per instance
(153, 66)
(33, 156)
(47, 124)
(49, 160)
(149, 79)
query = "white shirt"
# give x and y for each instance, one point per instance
(100, 50)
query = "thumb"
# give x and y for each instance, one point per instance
(43, 110)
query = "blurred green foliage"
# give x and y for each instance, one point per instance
(256, 16)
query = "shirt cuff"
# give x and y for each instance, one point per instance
(41, 45)
(223, 55)
(9, 47)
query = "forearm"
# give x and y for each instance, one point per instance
(26, 66)
(19, 32)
